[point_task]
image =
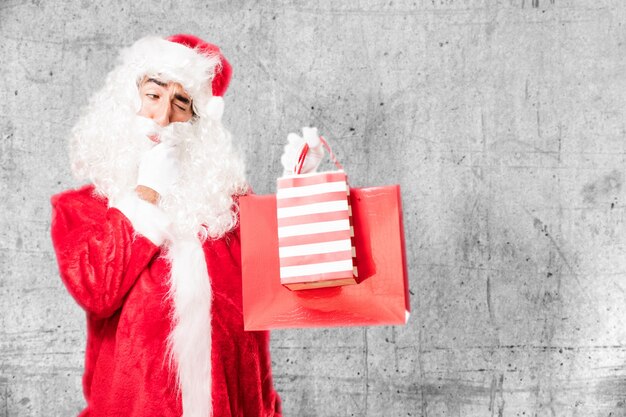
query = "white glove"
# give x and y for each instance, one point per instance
(294, 146)
(159, 168)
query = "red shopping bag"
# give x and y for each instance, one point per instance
(381, 296)
(315, 247)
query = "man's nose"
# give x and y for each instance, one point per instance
(162, 114)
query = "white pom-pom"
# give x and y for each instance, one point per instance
(215, 108)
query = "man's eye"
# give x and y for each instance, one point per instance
(152, 96)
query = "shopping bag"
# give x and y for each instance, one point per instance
(315, 247)
(381, 296)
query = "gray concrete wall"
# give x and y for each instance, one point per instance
(504, 123)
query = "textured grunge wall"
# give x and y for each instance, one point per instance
(504, 123)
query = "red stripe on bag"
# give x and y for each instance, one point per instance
(311, 199)
(304, 180)
(314, 238)
(316, 259)
(311, 218)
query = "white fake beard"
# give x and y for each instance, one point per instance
(211, 173)
(107, 144)
(106, 150)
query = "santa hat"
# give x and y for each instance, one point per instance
(200, 67)
(220, 81)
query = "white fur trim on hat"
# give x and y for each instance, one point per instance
(147, 219)
(171, 61)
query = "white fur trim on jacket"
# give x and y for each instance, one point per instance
(190, 340)
(147, 219)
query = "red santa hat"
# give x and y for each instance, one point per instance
(221, 79)
(199, 66)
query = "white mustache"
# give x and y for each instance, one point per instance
(172, 134)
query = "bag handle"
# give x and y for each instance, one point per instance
(305, 149)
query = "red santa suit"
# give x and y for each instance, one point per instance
(121, 280)
(157, 345)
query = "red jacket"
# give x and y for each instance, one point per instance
(119, 278)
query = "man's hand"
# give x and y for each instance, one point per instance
(158, 172)
(147, 194)
(294, 146)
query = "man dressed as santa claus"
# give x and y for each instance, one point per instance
(150, 249)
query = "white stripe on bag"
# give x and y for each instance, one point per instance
(314, 228)
(315, 248)
(311, 269)
(315, 208)
(305, 190)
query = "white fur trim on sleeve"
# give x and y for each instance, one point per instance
(147, 219)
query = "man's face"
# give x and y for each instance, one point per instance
(164, 102)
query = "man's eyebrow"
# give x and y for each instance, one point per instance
(157, 82)
(182, 98)
(178, 97)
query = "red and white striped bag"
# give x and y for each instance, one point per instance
(315, 228)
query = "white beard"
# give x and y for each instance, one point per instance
(211, 173)
(106, 148)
